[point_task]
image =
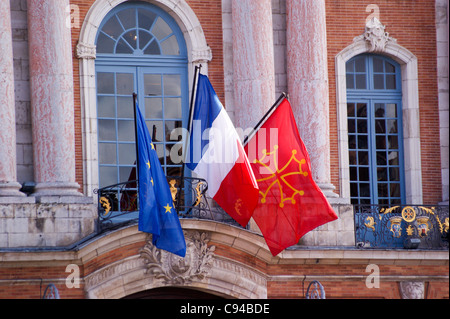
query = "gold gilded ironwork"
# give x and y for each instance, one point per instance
(408, 214)
(173, 189)
(410, 230)
(370, 222)
(396, 227)
(105, 204)
(276, 174)
(198, 193)
(423, 225)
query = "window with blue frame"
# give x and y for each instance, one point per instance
(375, 137)
(141, 49)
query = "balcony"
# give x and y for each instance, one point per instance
(118, 204)
(375, 226)
(406, 226)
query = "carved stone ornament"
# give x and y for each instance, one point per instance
(412, 289)
(174, 270)
(85, 51)
(376, 35)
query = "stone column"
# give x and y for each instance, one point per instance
(307, 70)
(52, 105)
(8, 170)
(253, 60)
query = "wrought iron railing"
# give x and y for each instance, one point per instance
(406, 226)
(119, 204)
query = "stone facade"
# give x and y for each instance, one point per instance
(252, 53)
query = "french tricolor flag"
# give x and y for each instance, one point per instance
(215, 153)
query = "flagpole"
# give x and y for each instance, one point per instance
(191, 114)
(264, 118)
(136, 137)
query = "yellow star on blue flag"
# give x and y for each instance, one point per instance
(155, 199)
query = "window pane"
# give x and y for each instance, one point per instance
(395, 190)
(144, 39)
(352, 142)
(113, 28)
(360, 64)
(391, 110)
(390, 82)
(362, 126)
(105, 83)
(363, 158)
(170, 46)
(379, 110)
(378, 65)
(381, 142)
(172, 108)
(351, 109)
(361, 81)
(378, 81)
(352, 158)
(127, 154)
(354, 190)
(392, 126)
(364, 174)
(170, 127)
(383, 190)
(123, 48)
(172, 84)
(390, 68)
(131, 38)
(108, 176)
(362, 110)
(364, 190)
(107, 153)
(152, 84)
(125, 107)
(350, 66)
(393, 158)
(156, 130)
(125, 84)
(125, 174)
(126, 131)
(394, 174)
(353, 174)
(351, 126)
(362, 142)
(161, 29)
(105, 44)
(381, 158)
(153, 108)
(146, 19)
(382, 174)
(128, 18)
(350, 81)
(393, 142)
(153, 49)
(107, 130)
(106, 106)
(380, 126)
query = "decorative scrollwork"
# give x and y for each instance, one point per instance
(396, 226)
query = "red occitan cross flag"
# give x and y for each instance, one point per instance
(290, 202)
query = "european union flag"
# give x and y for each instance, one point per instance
(157, 214)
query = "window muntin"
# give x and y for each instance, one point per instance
(138, 30)
(375, 137)
(148, 56)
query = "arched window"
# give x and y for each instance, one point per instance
(375, 134)
(141, 49)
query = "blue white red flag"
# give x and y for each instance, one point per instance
(215, 153)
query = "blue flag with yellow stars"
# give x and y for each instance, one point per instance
(157, 214)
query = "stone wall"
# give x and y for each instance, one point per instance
(52, 224)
